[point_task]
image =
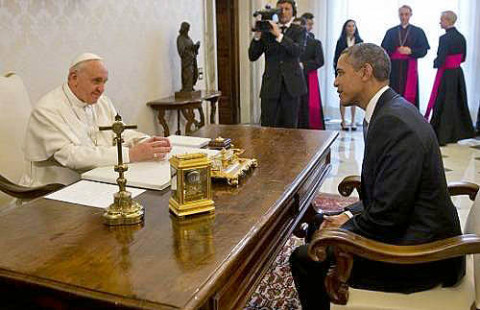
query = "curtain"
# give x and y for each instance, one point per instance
(469, 24)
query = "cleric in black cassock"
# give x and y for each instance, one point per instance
(451, 118)
(310, 114)
(404, 44)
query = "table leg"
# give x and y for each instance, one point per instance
(178, 132)
(163, 122)
(189, 114)
(202, 118)
(213, 104)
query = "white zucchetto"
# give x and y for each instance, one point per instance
(84, 57)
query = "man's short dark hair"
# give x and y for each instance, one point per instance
(363, 53)
(308, 15)
(300, 20)
(292, 3)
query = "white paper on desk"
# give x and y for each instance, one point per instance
(88, 193)
(150, 175)
(195, 142)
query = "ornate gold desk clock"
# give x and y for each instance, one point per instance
(228, 165)
(191, 184)
(123, 210)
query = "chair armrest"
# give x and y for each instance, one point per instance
(25, 192)
(463, 188)
(347, 244)
(348, 184)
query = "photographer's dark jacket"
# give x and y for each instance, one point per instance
(281, 62)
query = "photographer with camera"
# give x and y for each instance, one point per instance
(283, 81)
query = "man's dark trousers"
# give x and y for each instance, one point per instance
(280, 112)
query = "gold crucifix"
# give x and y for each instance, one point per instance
(124, 210)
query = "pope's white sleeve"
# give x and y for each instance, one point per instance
(78, 157)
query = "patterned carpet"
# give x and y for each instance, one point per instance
(277, 290)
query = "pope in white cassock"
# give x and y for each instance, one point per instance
(62, 138)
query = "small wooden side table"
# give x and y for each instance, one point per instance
(185, 106)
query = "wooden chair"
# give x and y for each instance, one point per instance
(15, 107)
(463, 296)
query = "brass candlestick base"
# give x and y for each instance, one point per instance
(123, 211)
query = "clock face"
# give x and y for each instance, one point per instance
(195, 181)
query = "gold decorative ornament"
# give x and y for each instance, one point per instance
(229, 166)
(124, 210)
(220, 143)
(191, 184)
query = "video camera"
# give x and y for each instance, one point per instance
(267, 14)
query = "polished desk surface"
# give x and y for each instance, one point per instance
(168, 263)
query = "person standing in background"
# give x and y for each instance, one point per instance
(404, 44)
(310, 114)
(282, 83)
(348, 37)
(451, 119)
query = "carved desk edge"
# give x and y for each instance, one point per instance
(220, 277)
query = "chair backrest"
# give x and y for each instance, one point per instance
(472, 226)
(15, 107)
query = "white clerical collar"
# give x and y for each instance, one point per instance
(373, 103)
(405, 27)
(72, 98)
(288, 24)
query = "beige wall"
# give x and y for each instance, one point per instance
(137, 39)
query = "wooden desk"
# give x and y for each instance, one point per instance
(186, 106)
(64, 252)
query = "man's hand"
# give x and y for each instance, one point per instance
(334, 221)
(155, 148)
(405, 50)
(257, 34)
(275, 30)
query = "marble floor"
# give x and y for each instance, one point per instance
(461, 162)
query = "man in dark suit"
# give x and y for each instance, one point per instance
(283, 82)
(404, 196)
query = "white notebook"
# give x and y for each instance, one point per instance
(150, 175)
(196, 142)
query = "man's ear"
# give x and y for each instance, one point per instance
(72, 76)
(367, 71)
